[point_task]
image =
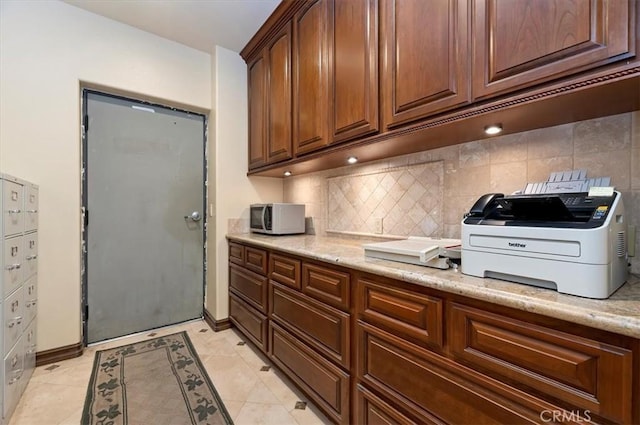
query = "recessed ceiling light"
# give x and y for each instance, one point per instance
(352, 160)
(494, 129)
(287, 173)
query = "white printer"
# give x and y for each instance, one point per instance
(572, 241)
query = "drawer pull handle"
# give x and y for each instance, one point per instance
(12, 267)
(32, 211)
(31, 303)
(14, 211)
(17, 378)
(15, 321)
(31, 257)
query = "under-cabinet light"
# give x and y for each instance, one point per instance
(287, 173)
(492, 130)
(352, 160)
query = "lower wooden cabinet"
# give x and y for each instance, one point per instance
(367, 349)
(248, 292)
(588, 374)
(250, 286)
(371, 409)
(250, 322)
(324, 328)
(325, 383)
(415, 316)
(434, 388)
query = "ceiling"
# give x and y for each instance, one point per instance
(201, 24)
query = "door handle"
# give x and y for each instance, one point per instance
(194, 216)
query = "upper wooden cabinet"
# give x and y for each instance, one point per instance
(257, 123)
(278, 54)
(335, 68)
(425, 58)
(380, 78)
(521, 43)
(270, 102)
(310, 77)
(353, 79)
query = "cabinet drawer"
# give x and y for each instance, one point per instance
(236, 253)
(432, 387)
(30, 296)
(251, 323)
(371, 409)
(30, 347)
(12, 207)
(323, 327)
(13, 375)
(31, 208)
(285, 270)
(326, 384)
(13, 264)
(13, 319)
(330, 286)
(251, 287)
(414, 315)
(255, 259)
(589, 374)
(30, 254)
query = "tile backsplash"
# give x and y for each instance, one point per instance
(402, 201)
(427, 193)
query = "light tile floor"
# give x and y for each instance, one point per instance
(251, 389)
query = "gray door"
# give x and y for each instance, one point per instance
(145, 223)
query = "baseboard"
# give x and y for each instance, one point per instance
(216, 325)
(59, 354)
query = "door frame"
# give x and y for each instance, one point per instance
(84, 215)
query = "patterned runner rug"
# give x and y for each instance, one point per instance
(158, 381)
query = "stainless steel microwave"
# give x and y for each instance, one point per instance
(277, 218)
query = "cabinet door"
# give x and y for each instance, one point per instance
(310, 79)
(257, 124)
(354, 69)
(278, 54)
(425, 58)
(520, 43)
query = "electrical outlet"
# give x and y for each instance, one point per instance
(378, 225)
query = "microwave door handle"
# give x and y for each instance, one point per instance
(264, 212)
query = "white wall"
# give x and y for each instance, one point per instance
(47, 48)
(234, 191)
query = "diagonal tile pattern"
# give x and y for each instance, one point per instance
(252, 391)
(407, 199)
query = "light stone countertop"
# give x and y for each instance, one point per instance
(620, 313)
